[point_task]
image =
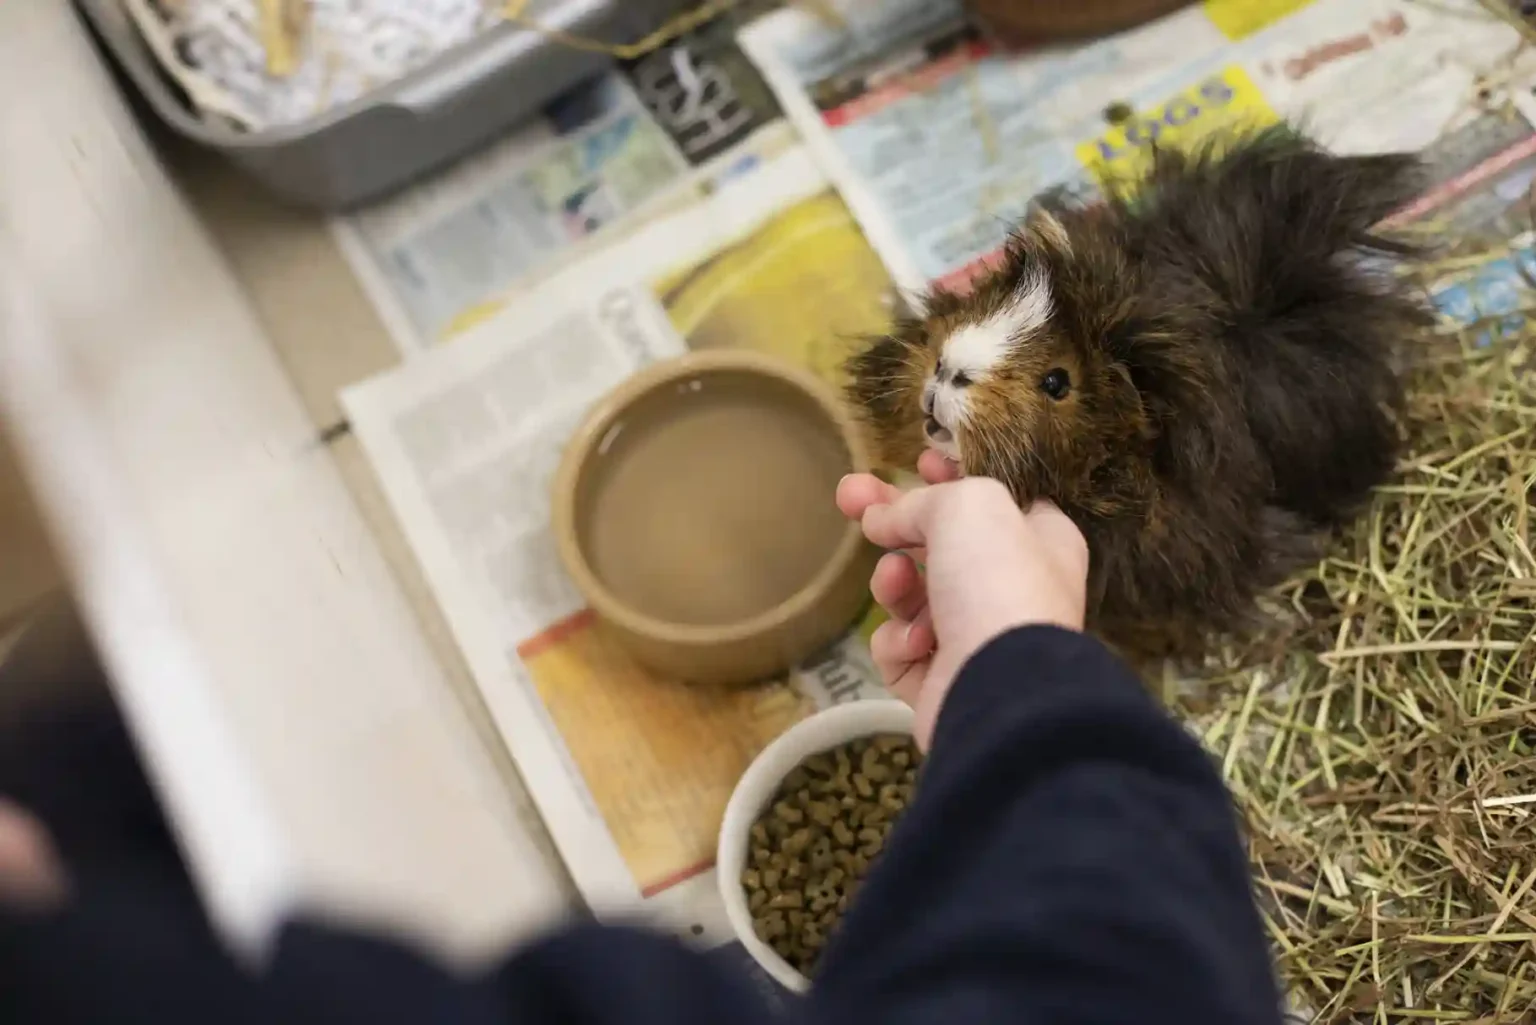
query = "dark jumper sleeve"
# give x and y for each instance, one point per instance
(1071, 857)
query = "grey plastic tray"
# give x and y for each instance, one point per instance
(366, 149)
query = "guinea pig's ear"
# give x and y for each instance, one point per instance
(1047, 230)
(1130, 412)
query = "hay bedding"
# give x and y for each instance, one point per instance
(1379, 735)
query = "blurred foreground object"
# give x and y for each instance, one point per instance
(1025, 22)
(336, 103)
(30, 873)
(264, 63)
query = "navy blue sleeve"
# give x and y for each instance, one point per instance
(1071, 856)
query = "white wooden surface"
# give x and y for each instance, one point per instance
(294, 720)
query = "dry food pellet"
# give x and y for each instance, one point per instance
(816, 840)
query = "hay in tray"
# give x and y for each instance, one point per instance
(1380, 738)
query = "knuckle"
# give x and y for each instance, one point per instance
(985, 489)
(1069, 540)
(883, 640)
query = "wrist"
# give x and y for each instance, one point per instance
(1029, 666)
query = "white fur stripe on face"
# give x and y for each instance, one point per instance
(976, 349)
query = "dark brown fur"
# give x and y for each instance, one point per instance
(1232, 367)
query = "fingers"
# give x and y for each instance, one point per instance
(858, 491)
(901, 523)
(936, 468)
(921, 636)
(896, 645)
(898, 586)
(901, 646)
(901, 656)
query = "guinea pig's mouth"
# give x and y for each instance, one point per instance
(940, 438)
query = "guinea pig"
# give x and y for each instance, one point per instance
(1201, 373)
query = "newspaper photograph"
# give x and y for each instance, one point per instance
(939, 142)
(630, 772)
(633, 144)
(1485, 197)
(703, 90)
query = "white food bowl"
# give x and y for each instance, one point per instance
(823, 731)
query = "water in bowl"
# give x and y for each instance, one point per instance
(716, 504)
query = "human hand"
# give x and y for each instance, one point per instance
(988, 568)
(936, 468)
(31, 877)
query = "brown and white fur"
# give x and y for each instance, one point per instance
(1201, 376)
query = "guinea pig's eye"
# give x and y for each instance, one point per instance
(1056, 383)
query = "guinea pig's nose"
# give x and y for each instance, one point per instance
(927, 399)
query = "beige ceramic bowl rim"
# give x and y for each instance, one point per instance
(624, 397)
(820, 731)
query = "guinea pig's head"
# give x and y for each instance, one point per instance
(1015, 380)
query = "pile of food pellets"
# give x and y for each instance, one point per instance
(815, 841)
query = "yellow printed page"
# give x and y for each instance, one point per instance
(1239, 18)
(660, 758)
(805, 286)
(1227, 100)
(871, 622)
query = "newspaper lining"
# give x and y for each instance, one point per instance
(769, 254)
(630, 773)
(939, 143)
(655, 137)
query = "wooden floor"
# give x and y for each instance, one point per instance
(166, 366)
